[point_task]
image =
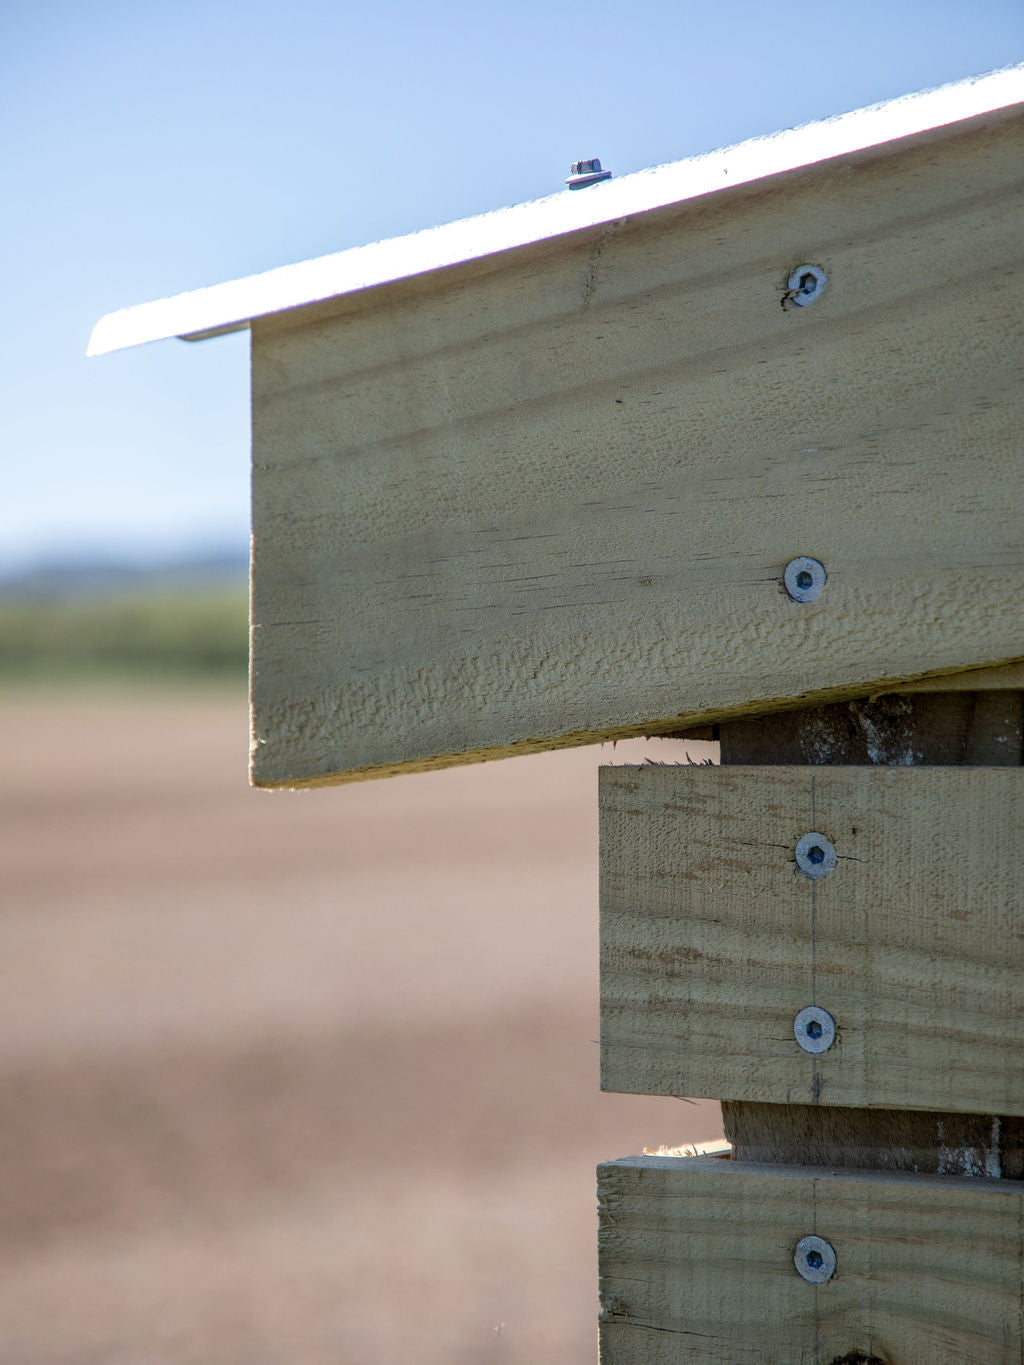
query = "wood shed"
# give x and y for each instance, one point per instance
(728, 448)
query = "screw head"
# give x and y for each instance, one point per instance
(815, 855)
(814, 1029)
(587, 172)
(805, 284)
(804, 578)
(815, 1259)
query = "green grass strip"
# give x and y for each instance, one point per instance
(174, 634)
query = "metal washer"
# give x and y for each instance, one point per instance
(815, 855)
(815, 1259)
(814, 1029)
(806, 283)
(804, 578)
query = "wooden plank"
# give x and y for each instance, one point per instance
(696, 1262)
(549, 497)
(712, 940)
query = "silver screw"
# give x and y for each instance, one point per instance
(583, 173)
(815, 855)
(814, 1029)
(804, 578)
(815, 1259)
(805, 284)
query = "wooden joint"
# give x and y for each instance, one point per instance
(908, 729)
(928, 1142)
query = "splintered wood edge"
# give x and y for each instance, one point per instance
(721, 1148)
(1006, 673)
(1009, 677)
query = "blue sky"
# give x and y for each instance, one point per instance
(149, 148)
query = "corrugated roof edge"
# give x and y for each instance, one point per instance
(229, 307)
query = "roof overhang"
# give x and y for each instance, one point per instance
(232, 306)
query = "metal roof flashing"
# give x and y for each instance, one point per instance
(232, 306)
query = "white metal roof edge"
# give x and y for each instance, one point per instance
(232, 306)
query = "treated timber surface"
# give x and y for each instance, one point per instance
(549, 497)
(697, 1265)
(712, 939)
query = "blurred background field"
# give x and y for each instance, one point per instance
(305, 1077)
(90, 621)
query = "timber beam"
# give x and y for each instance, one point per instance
(550, 497)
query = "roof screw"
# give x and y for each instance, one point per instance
(815, 1259)
(804, 579)
(805, 284)
(814, 1029)
(583, 173)
(815, 855)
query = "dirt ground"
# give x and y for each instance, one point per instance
(296, 1078)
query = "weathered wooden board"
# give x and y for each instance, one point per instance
(712, 939)
(548, 497)
(697, 1265)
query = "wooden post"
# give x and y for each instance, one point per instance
(713, 940)
(968, 727)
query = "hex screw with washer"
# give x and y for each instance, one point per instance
(804, 578)
(583, 173)
(815, 855)
(814, 1029)
(805, 284)
(815, 1259)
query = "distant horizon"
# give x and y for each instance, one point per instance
(68, 573)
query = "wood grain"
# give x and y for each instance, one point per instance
(550, 499)
(712, 939)
(697, 1265)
